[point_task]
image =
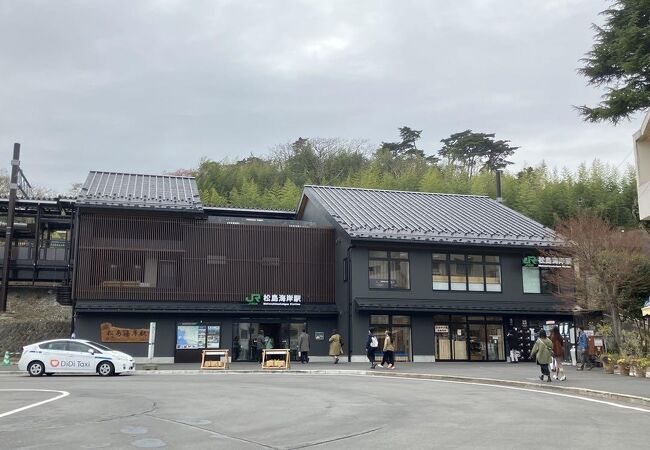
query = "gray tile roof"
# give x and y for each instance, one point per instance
(427, 217)
(130, 190)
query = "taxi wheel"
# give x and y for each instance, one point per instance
(105, 369)
(36, 369)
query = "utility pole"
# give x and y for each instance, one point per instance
(11, 208)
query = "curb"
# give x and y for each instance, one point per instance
(582, 392)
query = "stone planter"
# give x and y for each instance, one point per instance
(640, 373)
(625, 371)
(608, 368)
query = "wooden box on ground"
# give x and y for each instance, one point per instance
(215, 359)
(276, 359)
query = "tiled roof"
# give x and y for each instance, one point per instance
(130, 190)
(421, 216)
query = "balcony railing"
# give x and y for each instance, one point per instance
(49, 251)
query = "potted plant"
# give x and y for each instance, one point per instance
(640, 366)
(608, 363)
(623, 366)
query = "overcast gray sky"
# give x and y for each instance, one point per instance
(152, 86)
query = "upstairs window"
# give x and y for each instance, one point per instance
(388, 270)
(460, 272)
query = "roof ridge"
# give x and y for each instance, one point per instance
(449, 194)
(140, 174)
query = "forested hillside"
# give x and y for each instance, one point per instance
(464, 164)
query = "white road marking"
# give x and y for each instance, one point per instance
(33, 405)
(514, 388)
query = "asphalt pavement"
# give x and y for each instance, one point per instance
(522, 372)
(293, 410)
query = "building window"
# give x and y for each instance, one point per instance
(531, 280)
(440, 273)
(388, 270)
(458, 272)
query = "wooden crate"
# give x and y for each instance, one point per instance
(276, 359)
(221, 363)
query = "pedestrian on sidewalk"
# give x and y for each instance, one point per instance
(543, 351)
(372, 344)
(336, 346)
(303, 347)
(558, 354)
(583, 358)
(513, 343)
(389, 351)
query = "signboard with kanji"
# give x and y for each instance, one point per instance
(274, 300)
(110, 333)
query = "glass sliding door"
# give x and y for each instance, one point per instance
(495, 345)
(458, 329)
(477, 342)
(401, 329)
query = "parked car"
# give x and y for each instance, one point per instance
(73, 356)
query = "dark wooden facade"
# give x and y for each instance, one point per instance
(164, 258)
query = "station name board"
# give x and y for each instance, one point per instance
(547, 262)
(274, 300)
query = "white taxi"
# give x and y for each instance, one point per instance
(73, 356)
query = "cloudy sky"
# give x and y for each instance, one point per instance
(152, 86)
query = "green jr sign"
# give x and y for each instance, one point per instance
(254, 299)
(529, 261)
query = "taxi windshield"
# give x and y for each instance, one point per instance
(99, 346)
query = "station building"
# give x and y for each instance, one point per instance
(448, 274)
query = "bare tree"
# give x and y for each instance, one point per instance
(610, 266)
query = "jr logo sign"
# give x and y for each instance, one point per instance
(254, 299)
(529, 261)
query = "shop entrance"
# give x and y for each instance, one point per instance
(468, 338)
(250, 338)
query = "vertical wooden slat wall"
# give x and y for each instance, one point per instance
(218, 262)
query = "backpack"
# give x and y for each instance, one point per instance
(374, 343)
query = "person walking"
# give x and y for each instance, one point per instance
(236, 348)
(372, 344)
(303, 347)
(513, 343)
(558, 353)
(260, 341)
(582, 351)
(389, 351)
(336, 346)
(543, 351)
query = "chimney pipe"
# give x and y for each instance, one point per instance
(499, 198)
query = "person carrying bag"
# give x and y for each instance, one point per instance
(543, 351)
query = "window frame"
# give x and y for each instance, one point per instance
(389, 258)
(467, 264)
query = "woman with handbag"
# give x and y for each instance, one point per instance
(543, 350)
(558, 354)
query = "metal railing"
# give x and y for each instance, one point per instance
(48, 251)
